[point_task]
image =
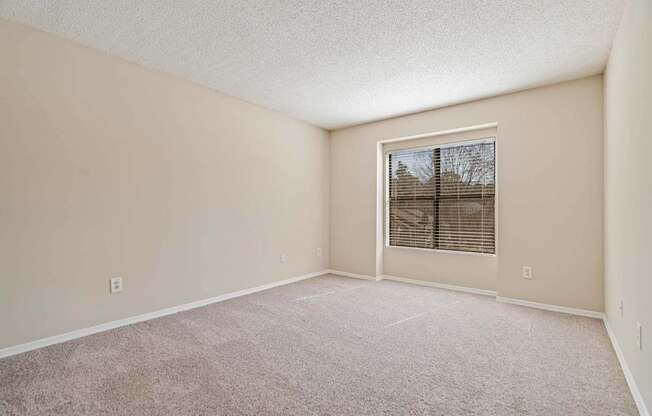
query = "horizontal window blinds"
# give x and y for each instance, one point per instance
(443, 197)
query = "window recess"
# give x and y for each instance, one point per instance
(442, 197)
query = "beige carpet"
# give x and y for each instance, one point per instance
(330, 346)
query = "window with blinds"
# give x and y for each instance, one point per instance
(443, 197)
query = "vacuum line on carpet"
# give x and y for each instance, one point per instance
(331, 292)
(405, 320)
(315, 296)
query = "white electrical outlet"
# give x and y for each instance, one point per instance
(318, 251)
(639, 335)
(621, 308)
(115, 284)
(283, 258)
(527, 272)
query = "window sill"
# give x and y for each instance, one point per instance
(437, 251)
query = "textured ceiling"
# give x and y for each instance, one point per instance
(338, 63)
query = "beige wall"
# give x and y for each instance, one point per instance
(628, 189)
(549, 162)
(107, 169)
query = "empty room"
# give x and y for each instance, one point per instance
(266, 207)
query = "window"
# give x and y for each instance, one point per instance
(442, 197)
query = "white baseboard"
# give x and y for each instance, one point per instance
(633, 387)
(554, 308)
(56, 339)
(441, 285)
(355, 275)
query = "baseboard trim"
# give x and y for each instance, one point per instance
(554, 308)
(629, 377)
(355, 275)
(441, 285)
(68, 336)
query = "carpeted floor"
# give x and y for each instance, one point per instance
(330, 346)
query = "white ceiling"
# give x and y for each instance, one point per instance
(338, 63)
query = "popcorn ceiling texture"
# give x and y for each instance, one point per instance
(339, 63)
(330, 346)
